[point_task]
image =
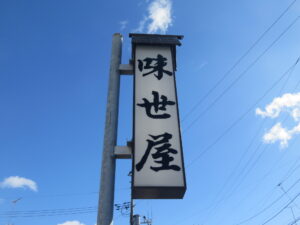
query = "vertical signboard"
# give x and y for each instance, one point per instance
(158, 170)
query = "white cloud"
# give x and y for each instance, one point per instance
(18, 182)
(141, 26)
(199, 66)
(287, 101)
(74, 222)
(123, 24)
(295, 130)
(283, 135)
(159, 17)
(278, 133)
(295, 114)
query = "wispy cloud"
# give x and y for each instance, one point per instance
(141, 27)
(74, 222)
(278, 133)
(160, 16)
(158, 19)
(18, 182)
(291, 104)
(123, 24)
(197, 66)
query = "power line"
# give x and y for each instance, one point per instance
(48, 212)
(284, 191)
(257, 214)
(240, 182)
(293, 214)
(264, 177)
(269, 206)
(281, 210)
(54, 214)
(244, 114)
(238, 164)
(255, 187)
(291, 170)
(239, 60)
(270, 171)
(251, 143)
(248, 171)
(241, 75)
(295, 221)
(245, 152)
(251, 157)
(67, 194)
(288, 71)
(298, 83)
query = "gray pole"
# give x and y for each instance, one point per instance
(107, 185)
(136, 220)
(131, 211)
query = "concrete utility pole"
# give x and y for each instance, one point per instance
(136, 220)
(107, 185)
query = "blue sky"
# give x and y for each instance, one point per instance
(240, 128)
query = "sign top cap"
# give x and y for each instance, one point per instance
(156, 39)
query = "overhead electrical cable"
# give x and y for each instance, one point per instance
(252, 156)
(295, 221)
(247, 171)
(264, 200)
(48, 212)
(268, 206)
(281, 210)
(287, 194)
(268, 173)
(54, 214)
(239, 175)
(239, 60)
(291, 170)
(66, 194)
(241, 75)
(236, 186)
(274, 84)
(252, 141)
(244, 114)
(229, 178)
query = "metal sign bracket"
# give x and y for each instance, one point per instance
(126, 69)
(123, 152)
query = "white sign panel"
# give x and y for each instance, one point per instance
(158, 170)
